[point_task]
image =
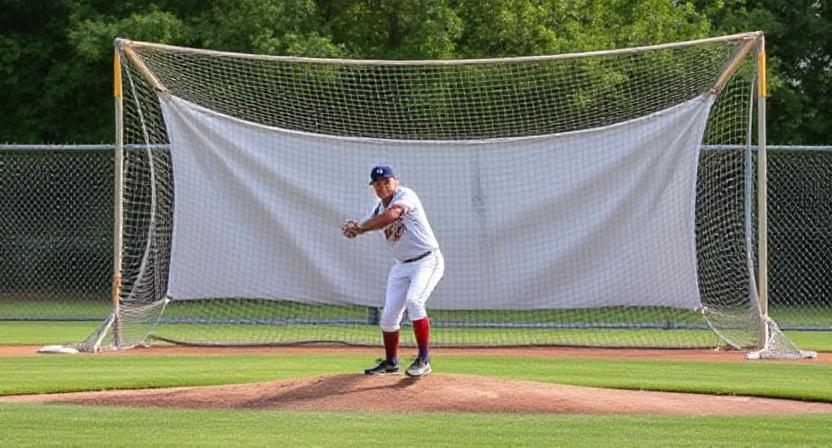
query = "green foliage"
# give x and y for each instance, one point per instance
(395, 29)
(798, 34)
(92, 38)
(534, 27)
(35, 92)
(55, 55)
(289, 27)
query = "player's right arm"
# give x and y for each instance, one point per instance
(382, 220)
(351, 227)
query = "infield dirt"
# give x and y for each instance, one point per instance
(437, 392)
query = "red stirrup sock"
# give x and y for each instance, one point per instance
(421, 329)
(391, 345)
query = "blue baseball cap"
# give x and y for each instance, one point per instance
(380, 172)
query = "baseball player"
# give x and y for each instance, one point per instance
(418, 267)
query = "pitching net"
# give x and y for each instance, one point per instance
(580, 199)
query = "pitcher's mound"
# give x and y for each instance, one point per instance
(438, 392)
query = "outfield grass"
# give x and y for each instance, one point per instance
(98, 308)
(42, 333)
(36, 374)
(81, 308)
(70, 426)
(819, 341)
(440, 336)
(61, 425)
(265, 321)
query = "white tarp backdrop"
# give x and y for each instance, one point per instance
(600, 217)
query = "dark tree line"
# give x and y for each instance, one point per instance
(56, 55)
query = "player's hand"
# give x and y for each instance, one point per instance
(350, 228)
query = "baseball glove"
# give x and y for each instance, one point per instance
(350, 228)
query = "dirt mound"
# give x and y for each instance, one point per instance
(438, 392)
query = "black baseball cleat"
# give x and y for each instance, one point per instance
(419, 368)
(384, 367)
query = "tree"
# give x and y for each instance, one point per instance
(534, 27)
(799, 48)
(71, 42)
(288, 27)
(394, 29)
(37, 88)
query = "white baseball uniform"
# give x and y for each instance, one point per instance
(419, 263)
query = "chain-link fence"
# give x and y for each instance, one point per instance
(800, 237)
(56, 233)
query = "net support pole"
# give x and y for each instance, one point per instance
(118, 198)
(762, 197)
(126, 46)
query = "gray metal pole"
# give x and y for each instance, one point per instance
(762, 196)
(118, 202)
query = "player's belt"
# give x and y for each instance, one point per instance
(418, 257)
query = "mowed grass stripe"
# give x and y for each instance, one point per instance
(43, 333)
(69, 426)
(50, 374)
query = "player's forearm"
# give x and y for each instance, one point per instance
(379, 221)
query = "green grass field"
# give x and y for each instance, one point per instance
(259, 321)
(62, 425)
(70, 426)
(42, 333)
(34, 374)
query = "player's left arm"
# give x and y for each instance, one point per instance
(383, 220)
